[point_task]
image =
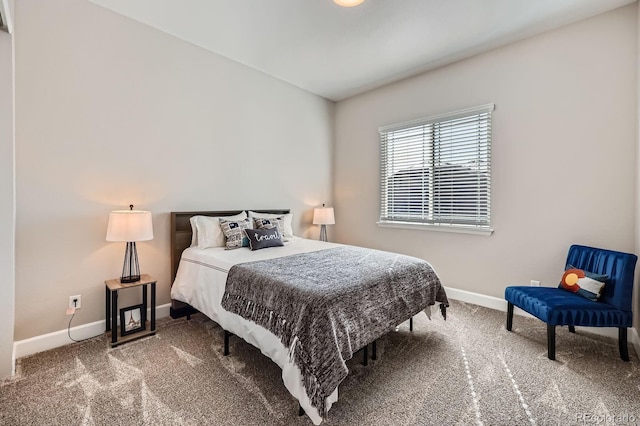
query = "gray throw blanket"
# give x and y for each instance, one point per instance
(326, 305)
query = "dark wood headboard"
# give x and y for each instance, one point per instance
(181, 231)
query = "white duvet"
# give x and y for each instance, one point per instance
(200, 282)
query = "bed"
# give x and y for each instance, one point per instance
(308, 305)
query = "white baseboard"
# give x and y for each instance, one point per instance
(477, 299)
(501, 305)
(36, 344)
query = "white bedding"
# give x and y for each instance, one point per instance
(200, 282)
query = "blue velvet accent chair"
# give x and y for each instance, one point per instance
(556, 306)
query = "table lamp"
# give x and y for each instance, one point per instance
(130, 226)
(323, 216)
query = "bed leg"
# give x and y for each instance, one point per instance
(365, 358)
(226, 343)
(300, 410)
(411, 324)
(374, 350)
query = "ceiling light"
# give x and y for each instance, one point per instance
(348, 3)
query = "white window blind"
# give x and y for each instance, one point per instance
(437, 170)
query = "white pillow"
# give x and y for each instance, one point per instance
(208, 230)
(287, 218)
(194, 231)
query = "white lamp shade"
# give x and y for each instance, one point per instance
(130, 225)
(323, 216)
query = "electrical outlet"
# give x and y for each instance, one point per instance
(75, 301)
(535, 283)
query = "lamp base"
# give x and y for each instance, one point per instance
(323, 232)
(131, 268)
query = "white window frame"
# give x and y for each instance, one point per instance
(439, 152)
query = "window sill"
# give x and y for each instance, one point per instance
(458, 229)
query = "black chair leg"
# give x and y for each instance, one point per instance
(622, 343)
(411, 324)
(300, 410)
(509, 316)
(572, 329)
(551, 341)
(226, 343)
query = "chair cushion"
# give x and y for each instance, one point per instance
(558, 307)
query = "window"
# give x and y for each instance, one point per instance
(436, 171)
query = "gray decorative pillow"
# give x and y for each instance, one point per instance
(270, 222)
(234, 236)
(263, 238)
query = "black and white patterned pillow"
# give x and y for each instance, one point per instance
(264, 237)
(233, 234)
(270, 222)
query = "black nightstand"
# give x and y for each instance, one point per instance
(111, 307)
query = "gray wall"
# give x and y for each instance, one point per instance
(7, 204)
(564, 154)
(111, 112)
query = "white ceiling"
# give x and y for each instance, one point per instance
(338, 52)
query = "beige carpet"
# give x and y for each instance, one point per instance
(467, 370)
